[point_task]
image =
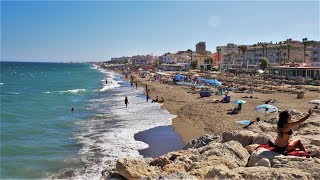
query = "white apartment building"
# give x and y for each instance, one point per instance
(168, 59)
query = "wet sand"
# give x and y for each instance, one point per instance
(160, 139)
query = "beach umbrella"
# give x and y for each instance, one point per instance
(316, 101)
(239, 101)
(213, 82)
(179, 77)
(266, 108)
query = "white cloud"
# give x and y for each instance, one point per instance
(214, 21)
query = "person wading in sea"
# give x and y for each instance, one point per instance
(126, 101)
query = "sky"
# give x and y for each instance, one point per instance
(63, 31)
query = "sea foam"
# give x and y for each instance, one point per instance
(110, 135)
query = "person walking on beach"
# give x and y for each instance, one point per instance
(126, 101)
(106, 81)
(136, 84)
(148, 95)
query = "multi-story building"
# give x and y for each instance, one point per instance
(121, 60)
(279, 53)
(313, 52)
(204, 61)
(228, 55)
(168, 58)
(201, 48)
(142, 60)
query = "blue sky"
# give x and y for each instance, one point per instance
(97, 31)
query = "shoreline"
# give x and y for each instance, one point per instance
(197, 116)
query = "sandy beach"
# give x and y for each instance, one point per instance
(197, 116)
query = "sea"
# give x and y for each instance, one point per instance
(41, 137)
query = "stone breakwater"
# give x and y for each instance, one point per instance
(229, 155)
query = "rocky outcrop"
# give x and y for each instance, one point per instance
(202, 141)
(231, 155)
(134, 168)
(258, 173)
(245, 137)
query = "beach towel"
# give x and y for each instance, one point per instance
(290, 153)
(244, 122)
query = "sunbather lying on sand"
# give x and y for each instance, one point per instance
(251, 122)
(250, 97)
(270, 101)
(236, 110)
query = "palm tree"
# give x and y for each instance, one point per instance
(304, 40)
(288, 47)
(266, 46)
(254, 53)
(243, 50)
(229, 54)
(263, 46)
(190, 51)
(219, 58)
(278, 53)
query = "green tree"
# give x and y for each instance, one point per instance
(208, 60)
(289, 47)
(304, 41)
(194, 64)
(264, 63)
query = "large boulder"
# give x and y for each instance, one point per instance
(302, 163)
(231, 151)
(262, 139)
(257, 173)
(134, 168)
(259, 154)
(244, 137)
(264, 162)
(173, 176)
(227, 155)
(202, 141)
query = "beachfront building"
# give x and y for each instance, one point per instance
(235, 56)
(167, 58)
(201, 48)
(121, 60)
(313, 52)
(183, 57)
(295, 70)
(142, 60)
(228, 56)
(204, 61)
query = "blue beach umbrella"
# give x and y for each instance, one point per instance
(179, 77)
(266, 108)
(213, 82)
(239, 101)
(201, 79)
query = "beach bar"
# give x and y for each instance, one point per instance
(296, 71)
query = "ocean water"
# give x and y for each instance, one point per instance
(41, 137)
